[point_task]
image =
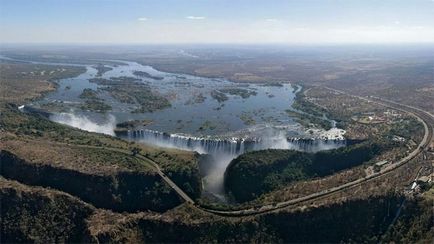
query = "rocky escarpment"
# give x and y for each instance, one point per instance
(185, 173)
(188, 180)
(121, 191)
(38, 215)
(255, 173)
(362, 220)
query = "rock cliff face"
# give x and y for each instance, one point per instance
(189, 181)
(38, 215)
(254, 173)
(353, 221)
(122, 191)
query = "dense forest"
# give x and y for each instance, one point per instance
(258, 172)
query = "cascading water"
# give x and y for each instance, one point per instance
(224, 150)
(265, 106)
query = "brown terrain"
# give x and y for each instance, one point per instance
(60, 184)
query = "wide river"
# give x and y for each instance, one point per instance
(187, 115)
(195, 120)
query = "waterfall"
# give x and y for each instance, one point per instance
(223, 150)
(231, 146)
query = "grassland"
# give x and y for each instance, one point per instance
(21, 82)
(362, 214)
(403, 75)
(100, 169)
(87, 160)
(342, 108)
(294, 181)
(36, 151)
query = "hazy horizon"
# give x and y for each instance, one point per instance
(171, 22)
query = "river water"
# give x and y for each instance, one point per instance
(185, 115)
(223, 129)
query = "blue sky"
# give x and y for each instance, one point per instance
(216, 21)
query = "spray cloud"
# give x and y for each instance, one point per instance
(84, 123)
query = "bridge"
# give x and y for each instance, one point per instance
(425, 118)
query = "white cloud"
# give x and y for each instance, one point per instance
(397, 22)
(142, 19)
(271, 20)
(195, 17)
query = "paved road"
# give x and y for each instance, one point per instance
(157, 168)
(424, 117)
(172, 184)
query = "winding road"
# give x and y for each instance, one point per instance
(425, 118)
